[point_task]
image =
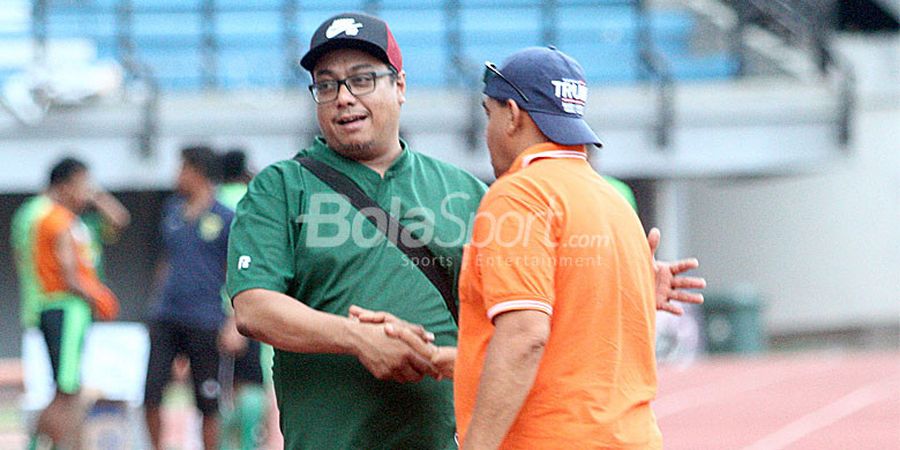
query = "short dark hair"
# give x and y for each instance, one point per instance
(234, 165)
(202, 158)
(65, 169)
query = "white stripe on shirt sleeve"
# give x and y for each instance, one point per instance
(513, 305)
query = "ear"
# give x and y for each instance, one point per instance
(515, 115)
(401, 86)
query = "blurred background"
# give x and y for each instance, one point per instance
(761, 136)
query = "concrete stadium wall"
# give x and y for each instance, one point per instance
(823, 249)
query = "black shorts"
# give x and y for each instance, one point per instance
(168, 339)
(247, 367)
(64, 326)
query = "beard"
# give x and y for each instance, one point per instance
(365, 151)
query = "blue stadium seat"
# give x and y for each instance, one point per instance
(431, 5)
(257, 5)
(155, 5)
(606, 63)
(498, 5)
(671, 25)
(107, 48)
(482, 25)
(176, 68)
(77, 24)
(249, 28)
(166, 27)
(602, 34)
(422, 28)
(252, 67)
(706, 67)
(330, 7)
(577, 20)
(426, 65)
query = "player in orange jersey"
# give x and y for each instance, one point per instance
(64, 265)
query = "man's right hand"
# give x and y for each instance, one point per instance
(102, 300)
(367, 316)
(388, 358)
(443, 358)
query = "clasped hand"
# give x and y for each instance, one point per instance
(397, 350)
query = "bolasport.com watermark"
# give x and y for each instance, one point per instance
(535, 261)
(331, 221)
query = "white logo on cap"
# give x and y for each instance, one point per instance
(572, 93)
(349, 26)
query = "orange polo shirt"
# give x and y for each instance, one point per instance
(49, 227)
(551, 235)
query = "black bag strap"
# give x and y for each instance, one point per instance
(418, 252)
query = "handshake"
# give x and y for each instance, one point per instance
(395, 350)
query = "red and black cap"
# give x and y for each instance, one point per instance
(353, 30)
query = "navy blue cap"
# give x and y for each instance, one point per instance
(555, 92)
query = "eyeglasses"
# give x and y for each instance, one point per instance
(359, 84)
(491, 71)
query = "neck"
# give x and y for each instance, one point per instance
(200, 199)
(525, 141)
(383, 162)
(57, 197)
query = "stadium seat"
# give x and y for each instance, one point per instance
(705, 67)
(168, 34)
(249, 28)
(176, 68)
(149, 5)
(252, 66)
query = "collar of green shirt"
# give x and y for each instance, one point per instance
(355, 170)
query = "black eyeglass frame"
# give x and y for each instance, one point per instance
(314, 89)
(491, 70)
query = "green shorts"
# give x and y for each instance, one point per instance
(64, 324)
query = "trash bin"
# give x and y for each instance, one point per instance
(732, 322)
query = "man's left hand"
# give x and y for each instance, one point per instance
(230, 340)
(670, 286)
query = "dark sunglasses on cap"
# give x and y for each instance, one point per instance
(491, 71)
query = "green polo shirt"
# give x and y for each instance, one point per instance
(292, 234)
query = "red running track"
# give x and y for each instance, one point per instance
(803, 401)
(807, 401)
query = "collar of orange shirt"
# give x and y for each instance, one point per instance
(546, 150)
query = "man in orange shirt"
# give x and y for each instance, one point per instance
(64, 265)
(554, 246)
(557, 306)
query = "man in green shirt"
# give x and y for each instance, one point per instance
(300, 256)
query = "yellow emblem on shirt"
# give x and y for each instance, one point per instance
(211, 226)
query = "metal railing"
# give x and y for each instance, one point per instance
(657, 69)
(808, 25)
